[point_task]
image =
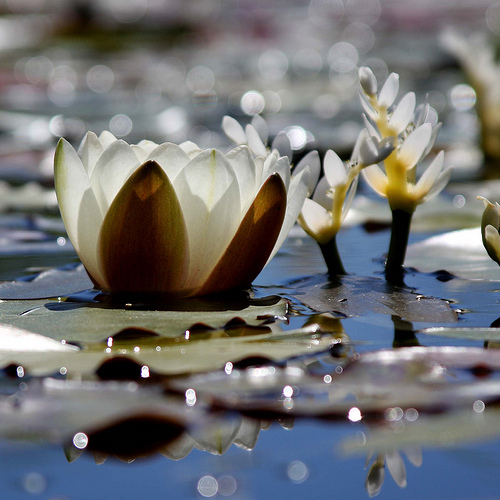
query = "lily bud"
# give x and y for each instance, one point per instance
(490, 224)
(368, 81)
(373, 151)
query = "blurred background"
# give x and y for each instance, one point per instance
(171, 69)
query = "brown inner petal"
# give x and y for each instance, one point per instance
(143, 242)
(254, 241)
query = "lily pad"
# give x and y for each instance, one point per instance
(51, 283)
(198, 350)
(425, 379)
(356, 295)
(460, 253)
(91, 322)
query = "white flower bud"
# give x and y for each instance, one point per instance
(373, 151)
(367, 81)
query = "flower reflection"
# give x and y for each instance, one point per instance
(395, 465)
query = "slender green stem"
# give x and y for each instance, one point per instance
(332, 258)
(400, 232)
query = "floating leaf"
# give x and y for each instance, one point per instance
(175, 355)
(51, 283)
(460, 253)
(426, 379)
(92, 321)
(356, 295)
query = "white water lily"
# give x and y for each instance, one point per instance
(322, 216)
(490, 226)
(174, 219)
(413, 139)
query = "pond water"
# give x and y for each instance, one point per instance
(291, 457)
(304, 387)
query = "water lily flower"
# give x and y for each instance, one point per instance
(413, 138)
(322, 216)
(174, 219)
(490, 226)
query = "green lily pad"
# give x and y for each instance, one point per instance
(199, 349)
(356, 295)
(460, 253)
(425, 379)
(51, 283)
(91, 322)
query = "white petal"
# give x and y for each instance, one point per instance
(350, 196)
(421, 114)
(367, 80)
(241, 159)
(439, 185)
(370, 128)
(171, 158)
(106, 138)
(209, 195)
(321, 194)
(362, 136)
(335, 169)
(312, 161)
(403, 113)
(282, 144)
(414, 455)
(255, 142)
(282, 167)
(147, 146)
(435, 131)
(377, 179)
(268, 164)
(89, 227)
(259, 124)
(71, 181)
(190, 148)
(234, 130)
(316, 221)
(414, 145)
(430, 176)
(374, 151)
(89, 151)
(369, 110)
(396, 467)
(389, 91)
(140, 153)
(297, 192)
(79, 209)
(491, 240)
(112, 169)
